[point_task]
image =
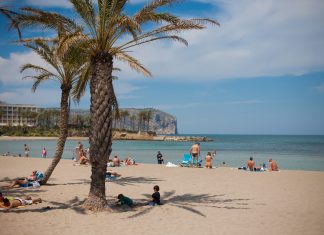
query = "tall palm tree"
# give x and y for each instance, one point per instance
(107, 33)
(66, 70)
(132, 119)
(149, 116)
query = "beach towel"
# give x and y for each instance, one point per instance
(170, 164)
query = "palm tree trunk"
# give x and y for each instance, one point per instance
(101, 111)
(64, 117)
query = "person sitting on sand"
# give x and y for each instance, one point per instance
(123, 200)
(250, 164)
(35, 176)
(83, 160)
(116, 161)
(209, 160)
(129, 161)
(155, 196)
(273, 166)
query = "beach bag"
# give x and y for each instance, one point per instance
(39, 176)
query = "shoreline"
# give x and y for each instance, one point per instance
(118, 136)
(163, 165)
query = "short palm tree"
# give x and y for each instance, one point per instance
(66, 70)
(107, 33)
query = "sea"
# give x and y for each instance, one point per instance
(292, 152)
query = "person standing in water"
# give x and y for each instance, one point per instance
(195, 153)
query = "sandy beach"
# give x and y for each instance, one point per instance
(196, 201)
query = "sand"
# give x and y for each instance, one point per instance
(196, 201)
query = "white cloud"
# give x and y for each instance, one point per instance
(10, 68)
(41, 98)
(256, 38)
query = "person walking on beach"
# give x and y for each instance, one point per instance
(27, 150)
(159, 157)
(195, 153)
(44, 153)
(273, 166)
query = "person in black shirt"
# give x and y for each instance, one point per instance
(159, 158)
(155, 196)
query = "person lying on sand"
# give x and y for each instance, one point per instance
(16, 202)
(26, 180)
(123, 200)
(110, 173)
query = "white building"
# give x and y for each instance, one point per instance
(17, 114)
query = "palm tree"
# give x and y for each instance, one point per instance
(132, 119)
(149, 115)
(67, 70)
(107, 33)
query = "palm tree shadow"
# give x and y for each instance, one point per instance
(81, 181)
(188, 202)
(131, 180)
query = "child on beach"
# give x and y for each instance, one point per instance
(123, 200)
(155, 196)
(209, 160)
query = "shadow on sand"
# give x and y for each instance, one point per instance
(74, 204)
(187, 202)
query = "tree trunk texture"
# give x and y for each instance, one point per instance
(101, 111)
(64, 118)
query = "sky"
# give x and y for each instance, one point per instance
(260, 72)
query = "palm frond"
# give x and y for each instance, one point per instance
(132, 62)
(86, 11)
(11, 16)
(46, 20)
(82, 82)
(171, 37)
(36, 68)
(38, 79)
(146, 12)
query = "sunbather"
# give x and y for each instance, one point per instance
(250, 165)
(273, 166)
(110, 173)
(25, 180)
(8, 204)
(16, 202)
(116, 161)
